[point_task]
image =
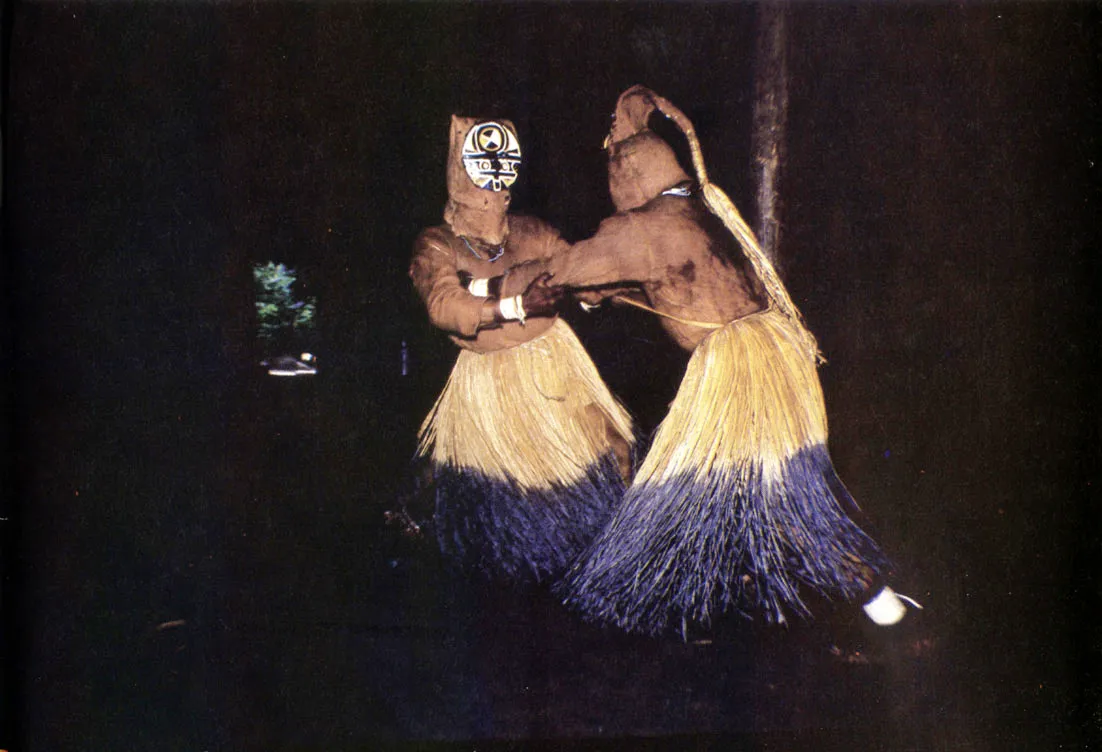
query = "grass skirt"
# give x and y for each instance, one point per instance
(737, 503)
(522, 444)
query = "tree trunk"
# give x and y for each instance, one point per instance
(770, 116)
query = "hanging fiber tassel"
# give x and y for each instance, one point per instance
(721, 206)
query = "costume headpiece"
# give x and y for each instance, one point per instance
(483, 157)
(634, 107)
(640, 164)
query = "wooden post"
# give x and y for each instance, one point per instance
(770, 116)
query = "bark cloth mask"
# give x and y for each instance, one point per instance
(640, 163)
(483, 158)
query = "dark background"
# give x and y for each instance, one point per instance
(196, 558)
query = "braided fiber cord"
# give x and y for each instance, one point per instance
(721, 206)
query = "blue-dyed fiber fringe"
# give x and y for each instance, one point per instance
(690, 549)
(505, 531)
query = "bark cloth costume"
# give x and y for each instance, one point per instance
(737, 504)
(527, 443)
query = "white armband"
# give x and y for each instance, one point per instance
(480, 287)
(512, 309)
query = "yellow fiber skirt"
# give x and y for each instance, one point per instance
(524, 443)
(737, 504)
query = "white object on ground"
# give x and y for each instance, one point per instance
(887, 607)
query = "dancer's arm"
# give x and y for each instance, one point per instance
(449, 304)
(618, 258)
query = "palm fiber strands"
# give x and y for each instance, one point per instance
(737, 503)
(519, 440)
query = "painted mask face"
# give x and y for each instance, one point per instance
(491, 156)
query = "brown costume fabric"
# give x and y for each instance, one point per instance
(678, 253)
(641, 165)
(476, 223)
(471, 211)
(632, 114)
(669, 249)
(438, 257)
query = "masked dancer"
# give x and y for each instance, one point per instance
(737, 504)
(528, 446)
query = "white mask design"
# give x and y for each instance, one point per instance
(491, 156)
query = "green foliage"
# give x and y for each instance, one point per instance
(280, 316)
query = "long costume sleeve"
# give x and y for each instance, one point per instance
(673, 250)
(620, 252)
(434, 274)
(438, 258)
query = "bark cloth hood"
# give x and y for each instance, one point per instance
(641, 165)
(474, 212)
